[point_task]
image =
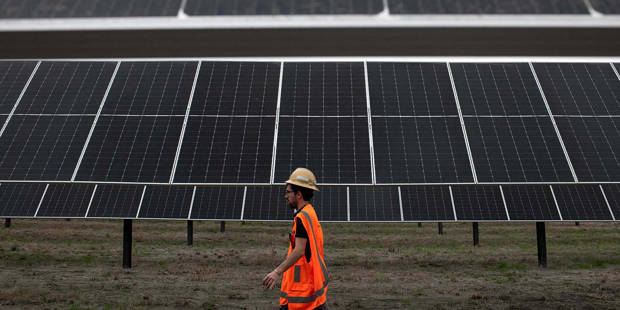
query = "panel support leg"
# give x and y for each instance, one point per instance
(127, 243)
(419, 224)
(542, 244)
(475, 230)
(190, 233)
(222, 226)
(576, 223)
(7, 223)
(440, 228)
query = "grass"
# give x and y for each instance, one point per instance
(77, 265)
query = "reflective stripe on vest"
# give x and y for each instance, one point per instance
(319, 292)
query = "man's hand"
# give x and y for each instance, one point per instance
(271, 279)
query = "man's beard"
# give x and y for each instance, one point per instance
(290, 205)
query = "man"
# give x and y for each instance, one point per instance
(305, 285)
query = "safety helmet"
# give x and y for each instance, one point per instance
(304, 178)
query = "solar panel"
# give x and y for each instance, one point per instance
(226, 150)
(116, 201)
(581, 203)
(20, 199)
(612, 193)
(266, 203)
(516, 149)
(478, 203)
(277, 7)
(236, 88)
(370, 204)
(42, 147)
(67, 87)
(593, 145)
(410, 89)
(580, 88)
(606, 6)
(131, 149)
(66, 200)
(166, 202)
(427, 203)
(151, 88)
(336, 149)
(530, 203)
(13, 77)
(497, 89)
(487, 7)
(323, 89)
(330, 203)
(420, 150)
(218, 203)
(92, 8)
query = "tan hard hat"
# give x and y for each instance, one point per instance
(304, 178)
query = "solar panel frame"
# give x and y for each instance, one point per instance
(14, 76)
(21, 204)
(572, 206)
(275, 7)
(607, 7)
(66, 200)
(87, 9)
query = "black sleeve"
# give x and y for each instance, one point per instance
(301, 230)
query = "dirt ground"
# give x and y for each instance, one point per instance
(49, 264)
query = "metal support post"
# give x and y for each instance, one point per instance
(475, 229)
(222, 226)
(440, 228)
(127, 243)
(7, 223)
(542, 244)
(190, 233)
(419, 224)
(576, 223)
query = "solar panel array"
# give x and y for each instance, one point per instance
(388, 141)
(11, 9)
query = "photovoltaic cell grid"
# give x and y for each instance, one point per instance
(166, 202)
(581, 203)
(116, 201)
(612, 193)
(478, 203)
(593, 145)
(13, 78)
(427, 203)
(20, 199)
(90, 8)
(487, 7)
(580, 88)
(66, 87)
(66, 200)
(530, 203)
(330, 203)
(606, 6)
(375, 203)
(276, 7)
(218, 202)
(420, 150)
(266, 203)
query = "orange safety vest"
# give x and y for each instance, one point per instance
(304, 285)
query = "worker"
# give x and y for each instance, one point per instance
(305, 285)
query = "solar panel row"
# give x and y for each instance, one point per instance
(334, 203)
(351, 122)
(138, 8)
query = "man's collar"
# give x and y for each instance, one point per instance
(297, 211)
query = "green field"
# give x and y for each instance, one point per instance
(77, 265)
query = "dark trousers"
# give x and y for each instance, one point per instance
(321, 307)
